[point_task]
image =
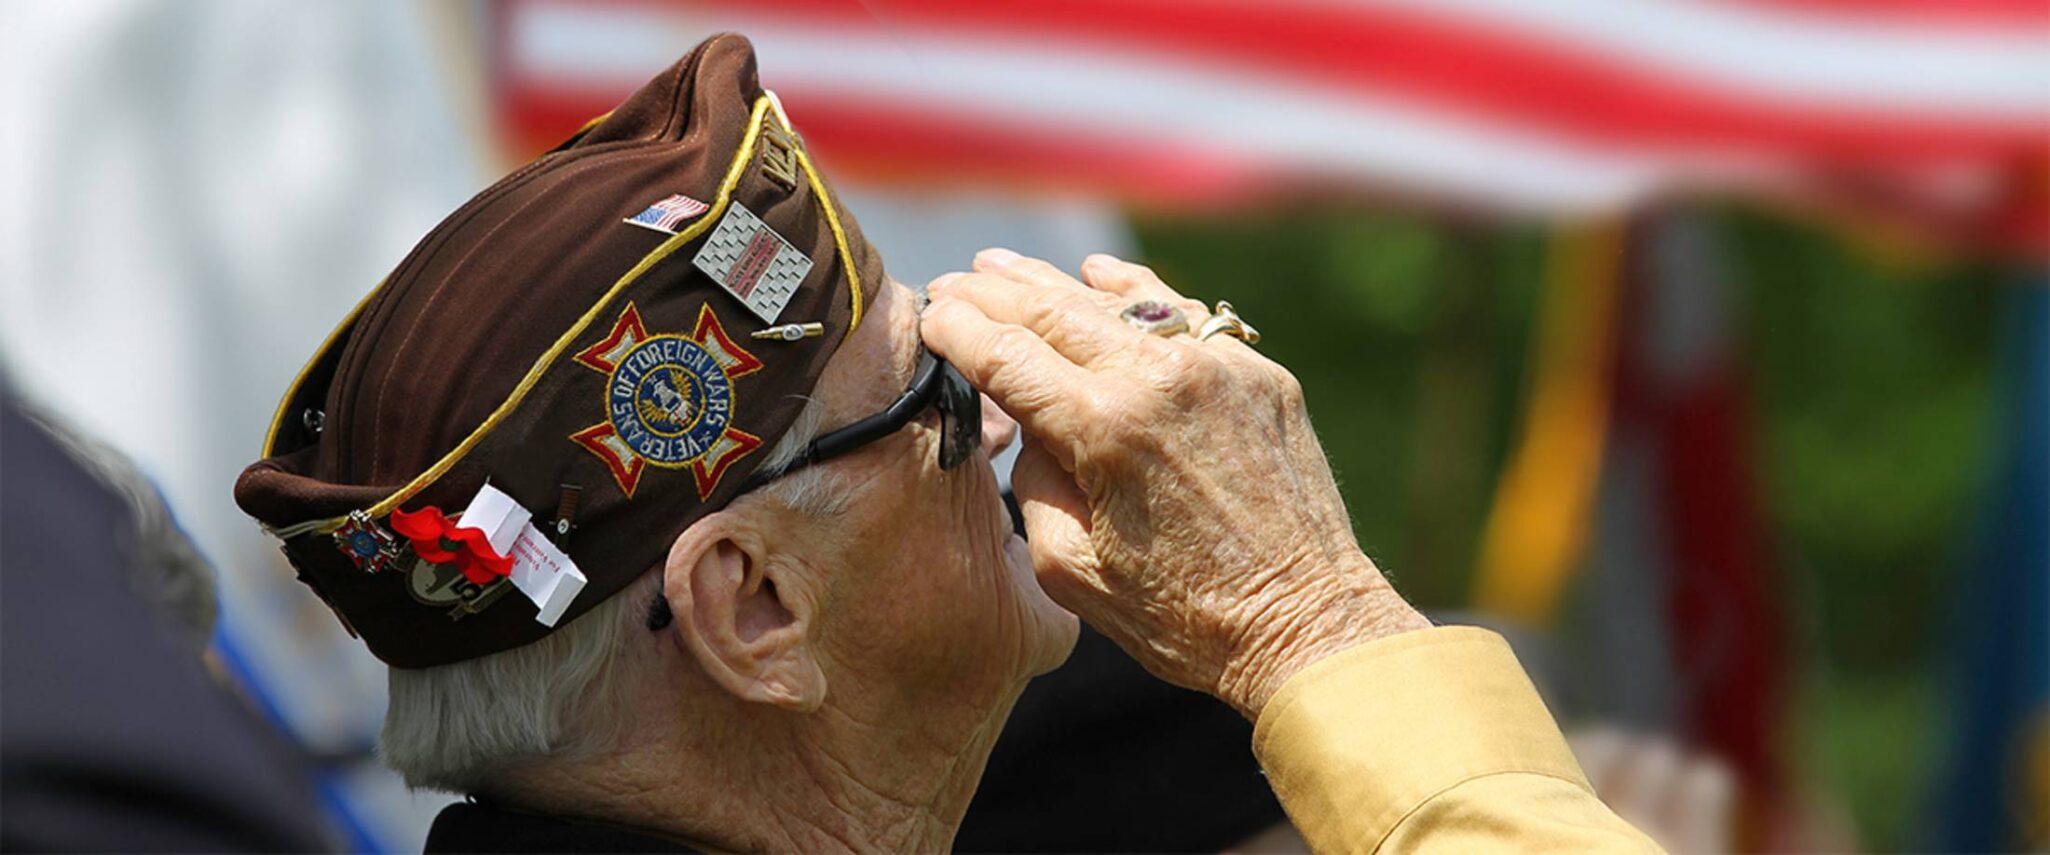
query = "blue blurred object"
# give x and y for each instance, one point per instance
(2002, 681)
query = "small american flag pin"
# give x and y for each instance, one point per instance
(666, 215)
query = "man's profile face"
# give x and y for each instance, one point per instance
(932, 582)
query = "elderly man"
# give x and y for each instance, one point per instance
(637, 473)
(813, 661)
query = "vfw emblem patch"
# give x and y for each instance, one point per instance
(668, 401)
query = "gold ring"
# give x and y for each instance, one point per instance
(1227, 322)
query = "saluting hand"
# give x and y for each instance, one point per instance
(1174, 494)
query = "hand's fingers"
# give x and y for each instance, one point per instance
(1017, 370)
(1041, 273)
(1137, 282)
(1056, 519)
(1598, 749)
(1644, 780)
(1701, 810)
(998, 261)
(1077, 326)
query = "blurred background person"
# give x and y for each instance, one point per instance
(1707, 337)
(114, 734)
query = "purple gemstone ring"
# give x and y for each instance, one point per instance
(1156, 317)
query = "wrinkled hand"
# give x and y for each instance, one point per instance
(1173, 492)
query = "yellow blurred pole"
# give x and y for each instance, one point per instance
(1538, 526)
(460, 32)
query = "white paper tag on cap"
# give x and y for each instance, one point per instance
(497, 515)
(752, 262)
(539, 569)
(544, 574)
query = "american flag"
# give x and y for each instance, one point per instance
(666, 215)
(1562, 107)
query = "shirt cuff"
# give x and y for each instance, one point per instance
(1360, 739)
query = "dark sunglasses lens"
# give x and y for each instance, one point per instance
(960, 409)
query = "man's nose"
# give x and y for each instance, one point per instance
(998, 428)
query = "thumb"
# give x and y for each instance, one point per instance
(1056, 519)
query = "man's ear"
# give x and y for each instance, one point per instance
(735, 611)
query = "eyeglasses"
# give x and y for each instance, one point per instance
(934, 384)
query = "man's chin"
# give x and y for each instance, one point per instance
(1062, 631)
(1054, 629)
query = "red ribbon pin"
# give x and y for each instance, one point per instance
(437, 540)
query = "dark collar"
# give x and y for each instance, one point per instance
(474, 826)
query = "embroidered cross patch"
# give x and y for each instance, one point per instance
(669, 401)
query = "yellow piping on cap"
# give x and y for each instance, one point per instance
(541, 366)
(594, 122)
(818, 190)
(734, 171)
(277, 419)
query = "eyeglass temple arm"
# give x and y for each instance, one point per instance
(924, 384)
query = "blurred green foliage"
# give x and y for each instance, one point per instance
(1871, 385)
(1874, 382)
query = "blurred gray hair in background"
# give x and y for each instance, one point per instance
(164, 567)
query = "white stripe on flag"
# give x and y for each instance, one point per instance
(1056, 86)
(1782, 56)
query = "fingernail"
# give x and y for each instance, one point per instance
(996, 257)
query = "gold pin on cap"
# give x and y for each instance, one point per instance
(791, 332)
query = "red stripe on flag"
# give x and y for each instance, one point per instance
(1462, 64)
(884, 142)
(1999, 15)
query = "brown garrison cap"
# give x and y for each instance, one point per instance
(613, 336)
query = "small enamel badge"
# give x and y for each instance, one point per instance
(443, 585)
(669, 401)
(368, 544)
(752, 262)
(665, 216)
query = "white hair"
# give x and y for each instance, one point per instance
(450, 727)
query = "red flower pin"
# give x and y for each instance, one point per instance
(440, 541)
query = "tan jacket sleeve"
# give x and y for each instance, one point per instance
(1430, 741)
